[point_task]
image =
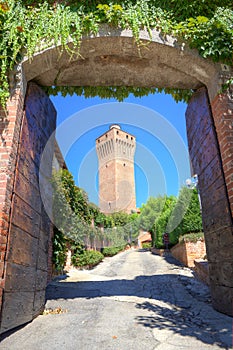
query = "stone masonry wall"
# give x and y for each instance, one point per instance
(207, 162)
(26, 262)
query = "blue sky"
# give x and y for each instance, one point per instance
(157, 122)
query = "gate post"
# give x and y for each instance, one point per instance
(10, 125)
(210, 137)
(26, 228)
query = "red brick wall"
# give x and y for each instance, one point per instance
(207, 162)
(115, 150)
(26, 261)
(187, 252)
(107, 186)
(125, 186)
(10, 123)
(222, 107)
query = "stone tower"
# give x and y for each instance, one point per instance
(115, 150)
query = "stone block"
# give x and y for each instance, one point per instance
(221, 274)
(222, 298)
(23, 247)
(202, 270)
(42, 262)
(28, 168)
(20, 278)
(219, 244)
(39, 303)
(41, 280)
(17, 309)
(25, 217)
(44, 240)
(28, 192)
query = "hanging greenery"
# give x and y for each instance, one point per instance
(30, 26)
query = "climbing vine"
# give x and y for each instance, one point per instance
(30, 26)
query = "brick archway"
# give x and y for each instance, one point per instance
(111, 58)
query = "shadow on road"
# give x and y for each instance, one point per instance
(179, 316)
(186, 323)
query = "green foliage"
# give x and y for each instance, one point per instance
(74, 217)
(76, 197)
(116, 236)
(150, 212)
(72, 214)
(192, 237)
(120, 218)
(111, 251)
(88, 259)
(161, 223)
(59, 250)
(186, 216)
(146, 245)
(212, 37)
(30, 26)
(69, 215)
(120, 228)
(172, 215)
(118, 92)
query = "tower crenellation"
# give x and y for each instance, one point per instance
(115, 150)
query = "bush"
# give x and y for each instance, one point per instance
(59, 250)
(111, 251)
(146, 245)
(192, 237)
(88, 259)
(186, 216)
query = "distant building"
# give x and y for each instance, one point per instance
(115, 150)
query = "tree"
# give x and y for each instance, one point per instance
(186, 216)
(150, 212)
(160, 226)
(120, 218)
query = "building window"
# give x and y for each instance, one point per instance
(127, 136)
(117, 132)
(124, 164)
(99, 141)
(106, 135)
(131, 138)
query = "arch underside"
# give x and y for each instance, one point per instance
(116, 60)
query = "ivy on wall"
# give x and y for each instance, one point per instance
(30, 26)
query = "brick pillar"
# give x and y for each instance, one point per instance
(207, 152)
(29, 231)
(10, 125)
(222, 109)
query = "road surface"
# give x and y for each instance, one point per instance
(135, 300)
